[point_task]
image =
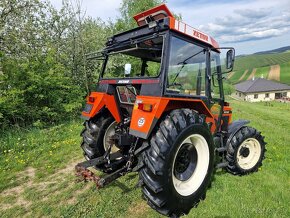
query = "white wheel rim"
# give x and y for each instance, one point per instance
(248, 161)
(191, 185)
(110, 131)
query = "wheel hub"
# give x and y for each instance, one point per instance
(185, 163)
(190, 164)
(244, 151)
(249, 153)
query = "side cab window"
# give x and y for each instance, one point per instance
(187, 68)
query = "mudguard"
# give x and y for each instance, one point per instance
(234, 127)
(96, 101)
(143, 122)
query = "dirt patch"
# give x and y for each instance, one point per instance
(73, 200)
(244, 74)
(19, 190)
(230, 75)
(274, 73)
(30, 172)
(27, 178)
(138, 209)
(252, 74)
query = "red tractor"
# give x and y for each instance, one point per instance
(160, 110)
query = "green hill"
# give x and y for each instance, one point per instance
(261, 64)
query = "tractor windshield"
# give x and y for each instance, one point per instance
(140, 58)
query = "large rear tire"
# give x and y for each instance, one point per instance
(245, 151)
(96, 136)
(179, 163)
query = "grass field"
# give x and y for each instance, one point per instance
(262, 62)
(37, 177)
(262, 72)
(285, 73)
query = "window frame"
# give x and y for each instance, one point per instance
(207, 85)
(106, 58)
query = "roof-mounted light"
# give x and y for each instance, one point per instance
(150, 21)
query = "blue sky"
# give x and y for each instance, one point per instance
(247, 25)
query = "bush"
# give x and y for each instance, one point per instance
(37, 92)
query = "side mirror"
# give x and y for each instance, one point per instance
(128, 68)
(230, 59)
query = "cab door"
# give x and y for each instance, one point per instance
(216, 87)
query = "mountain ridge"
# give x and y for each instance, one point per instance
(276, 50)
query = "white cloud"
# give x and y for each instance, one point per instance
(249, 26)
(250, 13)
(104, 9)
(245, 24)
(241, 27)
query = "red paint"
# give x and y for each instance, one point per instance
(161, 10)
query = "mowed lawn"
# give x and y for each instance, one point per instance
(37, 176)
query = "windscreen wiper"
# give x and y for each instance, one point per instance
(183, 64)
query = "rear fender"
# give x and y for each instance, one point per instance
(234, 127)
(101, 100)
(143, 122)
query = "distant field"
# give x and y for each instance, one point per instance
(262, 72)
(285, 73)
(262, 63)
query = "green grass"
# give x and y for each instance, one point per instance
(285, 73)
(262, 72)
(38, 171)
(238, 74)
(260, 60)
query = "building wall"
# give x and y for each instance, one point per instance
(239, 95)
(259, 96)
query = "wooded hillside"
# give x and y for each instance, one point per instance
(43, 71)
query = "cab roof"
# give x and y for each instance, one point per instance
(162, 11)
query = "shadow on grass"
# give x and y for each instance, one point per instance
(122, 184)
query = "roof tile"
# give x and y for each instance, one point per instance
(260, 85)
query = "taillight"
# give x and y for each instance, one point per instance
(145, 107)
(91, 99)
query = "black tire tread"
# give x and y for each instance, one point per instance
(155, 156)
(232, 148)
(92, 135)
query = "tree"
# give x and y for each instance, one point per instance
(44, 74)
(129, 8)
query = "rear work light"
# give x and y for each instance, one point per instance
(145, 107)
(91, 99)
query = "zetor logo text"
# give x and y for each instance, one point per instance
(200, 35)
(123, 81)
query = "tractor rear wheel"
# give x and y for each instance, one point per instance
(96, 137)
(245, 151)
(178, 165)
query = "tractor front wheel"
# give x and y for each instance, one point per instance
(245, 151)
(178, 165)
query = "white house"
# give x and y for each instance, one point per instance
(260, 89)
